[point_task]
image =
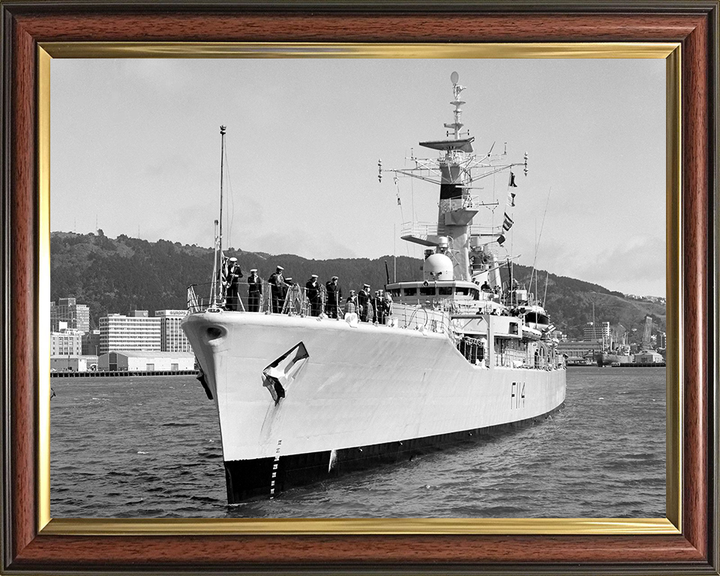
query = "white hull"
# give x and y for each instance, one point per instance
(361, 385)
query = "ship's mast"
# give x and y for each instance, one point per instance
(456, 171)
(222, 169)
(454, 77)
(217, 286)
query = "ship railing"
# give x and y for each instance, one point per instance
(425, 229)
(303, 301)
(419, 229)
(465, 203)
(199, 297)
(479, 230)
(543, 358)
(423, 318)
(291, 299)
(296, 300)
(415, 318)
(511, 358)
(473, 349)
(250, 298)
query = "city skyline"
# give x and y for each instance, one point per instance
(133, 330)
(136, 145)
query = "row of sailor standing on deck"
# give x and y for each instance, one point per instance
(369, 308)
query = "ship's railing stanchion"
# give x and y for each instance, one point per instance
(197, 303)
(265, 304)
(253, 301)
(296, 301)
(192, 303)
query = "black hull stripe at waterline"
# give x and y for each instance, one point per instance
(266, 477)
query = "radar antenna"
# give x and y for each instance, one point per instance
(457, 88)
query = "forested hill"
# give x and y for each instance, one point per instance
(126, 274)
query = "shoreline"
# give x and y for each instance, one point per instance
(121, 373)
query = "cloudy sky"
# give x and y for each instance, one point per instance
(135, 150)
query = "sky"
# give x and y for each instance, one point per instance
(136, 150)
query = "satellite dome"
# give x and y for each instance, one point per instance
(437, 267)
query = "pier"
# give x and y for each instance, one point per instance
(120, 373)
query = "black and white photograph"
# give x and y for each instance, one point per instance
(358, 288)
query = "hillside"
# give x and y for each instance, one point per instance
(128, 273)
(570, 304)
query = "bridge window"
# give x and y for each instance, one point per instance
(445, 290)
(536, 317)
(394, 292)
(409, 291)
(427, 291)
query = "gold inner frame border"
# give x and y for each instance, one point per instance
(669, 51)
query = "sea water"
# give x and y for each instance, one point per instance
(149, 447)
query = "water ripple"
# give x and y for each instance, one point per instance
(120, 449)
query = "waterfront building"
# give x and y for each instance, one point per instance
(66, 343)
(91, 342)
(77, 316)
(136, 331)
(579, 348)
(84, 363)
(648, 357)
(172, 338)
(146, 361)
(595, 331)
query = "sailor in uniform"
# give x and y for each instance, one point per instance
(254, 288)
(379, 309)
(278, 287)
(312, 291)
(363, 300)
(232, 284)
(351, 304)
(334, 297)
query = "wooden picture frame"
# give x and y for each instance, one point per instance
(686, 542)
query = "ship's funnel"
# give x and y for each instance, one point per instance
(437, 267)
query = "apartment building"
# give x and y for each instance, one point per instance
(136, 331)
(76, 316)
(172, 338)
(66, 343)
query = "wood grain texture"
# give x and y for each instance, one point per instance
(257, 551)
(697, 229)
(323, 27)
(22, 279)
(686, 553)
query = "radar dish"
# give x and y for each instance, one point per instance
(454, 77)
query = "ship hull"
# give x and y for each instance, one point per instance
(608, 359)
(360, 395)
(247, 479)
